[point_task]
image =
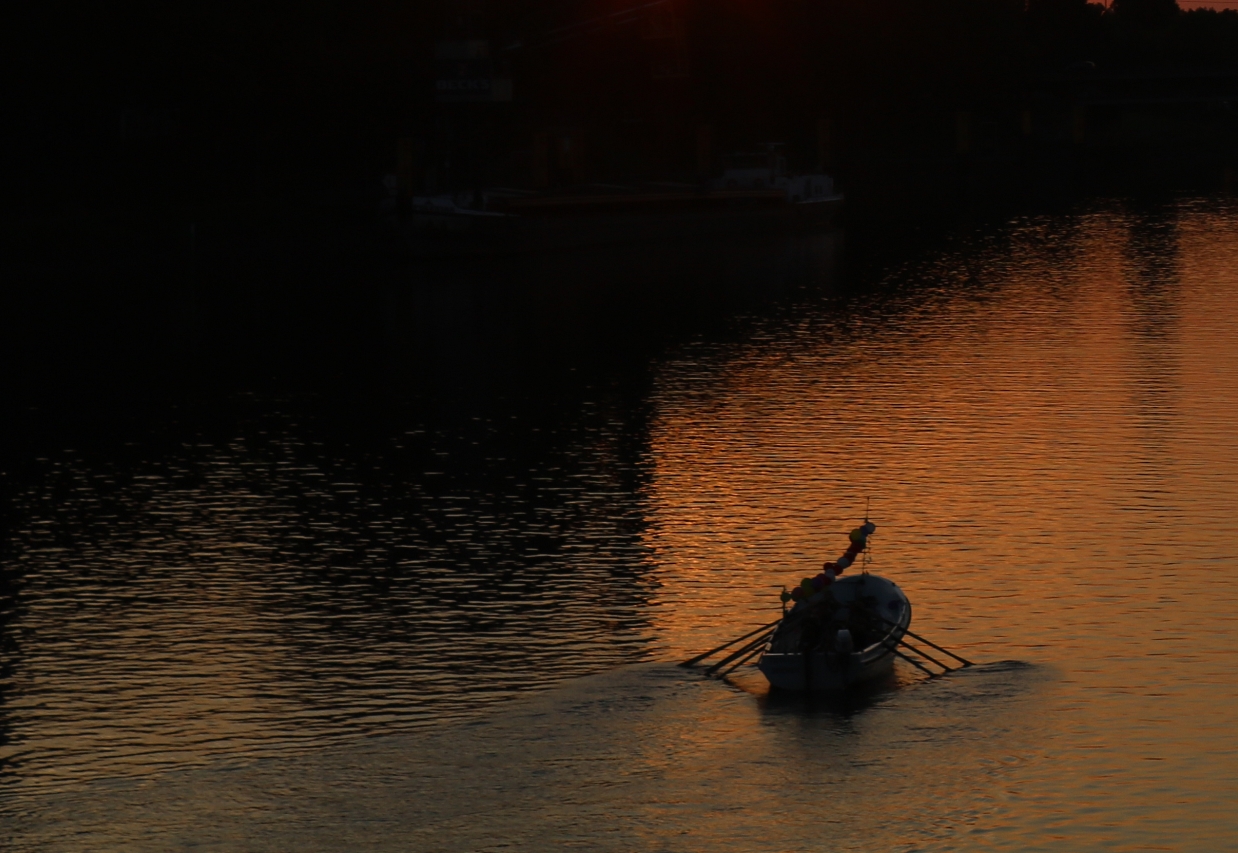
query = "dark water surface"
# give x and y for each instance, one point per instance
(304, 623)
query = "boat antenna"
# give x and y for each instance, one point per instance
(868, 500)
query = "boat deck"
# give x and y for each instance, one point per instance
(806, 652)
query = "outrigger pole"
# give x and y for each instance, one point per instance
(756, 651)
(747, 649)
(903, 642)
(927, 656)
(913, 661)
(694, 661)
(916, 636)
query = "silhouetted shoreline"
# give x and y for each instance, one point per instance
(194, 108)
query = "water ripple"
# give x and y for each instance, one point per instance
(1040, 416)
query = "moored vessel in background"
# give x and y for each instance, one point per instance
(749, 198)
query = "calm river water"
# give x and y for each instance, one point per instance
(454, 628)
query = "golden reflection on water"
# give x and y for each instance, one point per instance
(1044, 420)
(1045, 427)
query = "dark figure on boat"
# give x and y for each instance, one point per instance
(822, 622)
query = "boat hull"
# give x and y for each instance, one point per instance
(789, 666)
(822, 670)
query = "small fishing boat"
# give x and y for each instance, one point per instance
(840, 631)
(844, 634)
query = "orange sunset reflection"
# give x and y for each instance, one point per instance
(1010, 418)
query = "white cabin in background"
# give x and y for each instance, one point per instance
(767, 170)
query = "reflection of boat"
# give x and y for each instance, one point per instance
(844, 634)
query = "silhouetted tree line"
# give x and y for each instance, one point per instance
(171, 102)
